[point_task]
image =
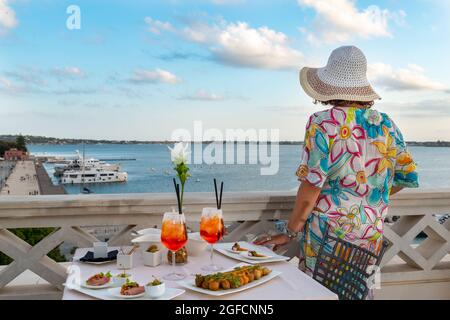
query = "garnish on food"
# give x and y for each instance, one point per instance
(155, 282)
(236, 278)
(99, 279)
(123, 275)
(131, 288)
(237, 247)
(256, 254)
(153, 249)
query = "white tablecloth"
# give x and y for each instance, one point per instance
(292, 284)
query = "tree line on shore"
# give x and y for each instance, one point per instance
(8, 141)
(19, 144)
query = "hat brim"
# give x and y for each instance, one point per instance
(321, 91)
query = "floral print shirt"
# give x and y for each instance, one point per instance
(355, 156)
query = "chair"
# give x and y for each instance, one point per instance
(346, 268)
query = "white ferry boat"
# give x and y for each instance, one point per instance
(93, 176)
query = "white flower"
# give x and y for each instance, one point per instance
(179, 154)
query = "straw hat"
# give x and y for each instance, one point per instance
(343, 78)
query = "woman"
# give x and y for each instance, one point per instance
(354, 158)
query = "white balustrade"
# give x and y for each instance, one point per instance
(404, 263)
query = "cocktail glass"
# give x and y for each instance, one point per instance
(211, 230)
(174, 237)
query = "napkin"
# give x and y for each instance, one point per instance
(89, 257)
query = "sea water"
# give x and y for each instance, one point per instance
(152, 170)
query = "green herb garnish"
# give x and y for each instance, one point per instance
(155, 282)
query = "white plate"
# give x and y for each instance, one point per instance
(248, 256)
(149, 231)
(171, 293)
(234, 252)
(106, 285)
(190, 284)
(225, 249)
(115, 292)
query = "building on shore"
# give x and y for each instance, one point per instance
(16, 155)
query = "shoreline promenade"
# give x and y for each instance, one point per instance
(22, 181)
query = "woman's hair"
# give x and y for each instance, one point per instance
(343, 103)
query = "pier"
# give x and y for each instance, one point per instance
(46, 185)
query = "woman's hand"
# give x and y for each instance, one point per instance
(278, 240)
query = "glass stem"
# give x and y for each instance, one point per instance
(212, 252)
(173, 260)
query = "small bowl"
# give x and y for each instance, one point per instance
(120, 281)
(196, 245)
(152, 259)
(155, 292)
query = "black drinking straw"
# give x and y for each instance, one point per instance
(217, 198)
(177, 190)
(220, 201)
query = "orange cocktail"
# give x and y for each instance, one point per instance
(211, 228)
(174, 237)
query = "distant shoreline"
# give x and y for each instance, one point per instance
(40, 140)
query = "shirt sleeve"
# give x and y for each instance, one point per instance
(314, 160)
(405, 174)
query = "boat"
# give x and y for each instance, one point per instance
(91, 175)
(87, 191)
(77, 164)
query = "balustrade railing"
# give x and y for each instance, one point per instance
(406, 262)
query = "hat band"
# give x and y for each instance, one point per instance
(328, 90)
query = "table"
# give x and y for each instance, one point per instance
(292, 284)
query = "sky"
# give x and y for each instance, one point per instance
(140, 69)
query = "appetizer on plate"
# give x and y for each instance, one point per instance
(121, 278)
(123, 275)
(131, 288)
(235, 278)
(237, 248)
(155, 288)
(99, 279)
(254, 254)
(155, 282)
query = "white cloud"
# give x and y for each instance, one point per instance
(67, 73)
(6, 85)
(341, 20)
(8, 18)
(154, 76)
(156, 26)
(27, 75)
(412, 77)
(238, 44)
(203, 95)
